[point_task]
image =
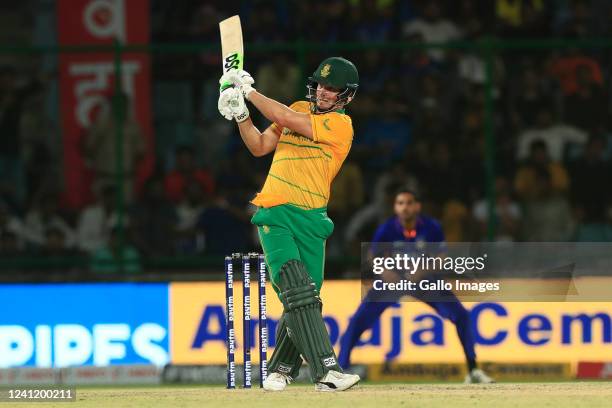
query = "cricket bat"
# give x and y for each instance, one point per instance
(232, 49)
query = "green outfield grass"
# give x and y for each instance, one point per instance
(554, 395)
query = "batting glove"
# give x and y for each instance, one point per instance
(231, 105)
(224, 102)
(239, 79)
(239, 108)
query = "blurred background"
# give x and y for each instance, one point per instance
(122, 188)
(497, 112)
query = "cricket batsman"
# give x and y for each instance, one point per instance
(408, 225)
(310, 140)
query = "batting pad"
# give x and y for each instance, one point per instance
(286, 358)
(306, 328)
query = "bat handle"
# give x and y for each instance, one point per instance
(225, 85)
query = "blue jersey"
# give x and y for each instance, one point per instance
(426, 231)
(425, 237)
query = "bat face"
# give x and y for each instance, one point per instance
(231, 43)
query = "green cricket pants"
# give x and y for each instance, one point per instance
(287, 232)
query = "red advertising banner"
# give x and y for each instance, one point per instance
(594, 370)
(87, 83)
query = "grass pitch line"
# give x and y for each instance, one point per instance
(505, 395)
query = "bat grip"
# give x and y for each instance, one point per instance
(225, 85)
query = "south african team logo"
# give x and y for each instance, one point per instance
(325, 70)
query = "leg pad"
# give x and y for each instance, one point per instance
(304, 320)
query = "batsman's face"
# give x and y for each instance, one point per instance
(326, 96)
(406, 207)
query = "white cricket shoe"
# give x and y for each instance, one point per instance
(276, 382)
(477, 376)
(335, 381)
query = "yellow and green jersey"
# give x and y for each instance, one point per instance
(302, 169)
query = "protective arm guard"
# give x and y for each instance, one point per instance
(302, 304)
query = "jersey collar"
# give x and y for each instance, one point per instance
(417, 223)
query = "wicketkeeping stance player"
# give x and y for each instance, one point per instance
(408, 225)
(310, 140)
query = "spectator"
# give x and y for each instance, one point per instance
(413, 64)
(11, 106)
(342, 17)
(214, 141)
(590, 176)
(414, 127)
(40, 150)
(44, 216)
(587, 107)
(347, 193)
(58, 257)
(204, 29)
(225, 226)
(100, 147)
(564, 69)
(346, 197)
(417, 157)
(385, 137)
(433, 28)
(55, 244)
(395, 175)
(375, 24)
(279, 78)
(361, 225)
(116, 257)
(185, 172)
(433, 96)
(190, 240)
(456, 221)
(580, 22)
(319, 21)
(263, 24)
(471, 67)
(152, 221)
(529, 96)
(97, 220)
(11, 225)
(474, 17)
(548, 216)
(557, 137)
(521, 18)
(506, 213)
(466, 136)
(602, 16)
(429, 126)
(508, 13)
(526, 183)
(442, 168)
(9, 245)
(373, 72)
(535, 20)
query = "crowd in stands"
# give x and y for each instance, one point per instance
(420, 120)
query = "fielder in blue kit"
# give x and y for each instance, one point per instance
(408, 225)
